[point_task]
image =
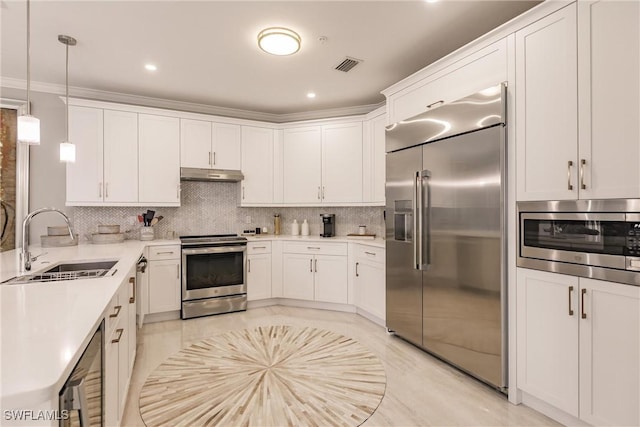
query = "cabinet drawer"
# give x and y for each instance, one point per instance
(258, 248)
(315, 248)
(370, 253)
(164, 252)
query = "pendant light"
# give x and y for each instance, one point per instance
(67, 148)
(28, 126)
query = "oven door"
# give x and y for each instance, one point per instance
(213, 272)
(593, 239)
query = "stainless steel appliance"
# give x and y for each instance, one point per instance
(328, 225)
(589, 238)
(445, 233)
(213, 274)
(197, 174)
(81, 398)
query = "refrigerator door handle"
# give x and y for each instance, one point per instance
(417, 221)
(425, 229)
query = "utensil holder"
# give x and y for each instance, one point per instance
(147, 233)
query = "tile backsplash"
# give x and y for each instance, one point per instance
(212, 208)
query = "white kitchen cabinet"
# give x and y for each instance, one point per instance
(120, 156)
(164, 279)
(470, 73)
(369, 280)
(315, 271)
(85, 175)
(578, 345)
(342, 163)
(257, 166)
(373, 158)
(258, 270)
(302, 165)
(159, 160)
(546, 108)
(609, 99)
(209, 145)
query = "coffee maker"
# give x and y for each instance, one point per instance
(328, 225)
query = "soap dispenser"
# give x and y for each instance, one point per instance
(305, 228)
(295, 228)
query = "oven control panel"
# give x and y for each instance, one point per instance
(633, 239)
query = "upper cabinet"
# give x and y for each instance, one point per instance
(120, 156)
(577, 103)
(257, 166)
(209, 145)
(302, 165)
(609, 99)
(373, 158)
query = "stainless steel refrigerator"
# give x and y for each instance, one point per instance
(445, 233)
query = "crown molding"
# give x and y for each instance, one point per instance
(123, 98)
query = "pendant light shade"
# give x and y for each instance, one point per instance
(67, 148)
(28, 126)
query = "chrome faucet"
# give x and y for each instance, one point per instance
(25, 254)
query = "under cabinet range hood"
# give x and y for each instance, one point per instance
(198, 174)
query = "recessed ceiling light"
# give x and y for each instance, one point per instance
(150, 67)
(279, 41)
(432, 1)
(311, 95)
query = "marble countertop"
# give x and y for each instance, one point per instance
(46, 326)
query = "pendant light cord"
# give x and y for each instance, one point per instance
(67, 93)
(28, 58)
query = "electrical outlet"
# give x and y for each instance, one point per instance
(247, 219)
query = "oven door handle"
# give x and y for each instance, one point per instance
(213, 250)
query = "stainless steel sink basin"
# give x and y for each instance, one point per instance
(66, 271)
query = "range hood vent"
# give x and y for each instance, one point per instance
(347, 64)
(197, 174)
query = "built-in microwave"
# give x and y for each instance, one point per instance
(599, 239)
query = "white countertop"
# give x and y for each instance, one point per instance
(46, 326)
(377, 242)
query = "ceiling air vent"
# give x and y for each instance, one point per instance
(347, 64)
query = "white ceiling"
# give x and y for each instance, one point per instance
(206, 51)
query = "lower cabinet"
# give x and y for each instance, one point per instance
(578, 345)
(369, 280)
(315, 272)
(258, 270)
(164, 278)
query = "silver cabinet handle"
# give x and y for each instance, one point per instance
(570, 305)
(178, 271)
(132, 299)
(214, 157)
(209, 157)
(117, 312)
(316, 263)
(583, 162)
(166, 252)
(323, 192)
(100, 189)
(569, 166)
(582, 312)
(435, 103)
(370, 253)
(311, 265)
(259, 247)
(318, 193)
(357, 275)
(178, 191)
(106, 190)
(117, 340)
(313, 247)
(243, 192)
(248, 266)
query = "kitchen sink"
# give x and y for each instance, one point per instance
(66, 271)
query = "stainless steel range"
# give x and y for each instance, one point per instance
(213, 274)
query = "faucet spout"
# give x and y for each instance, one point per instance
(25, 254)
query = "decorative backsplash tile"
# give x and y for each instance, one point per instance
(212, 208)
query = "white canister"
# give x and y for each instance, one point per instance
(362, 229)
(295, 228)
(146, 233)
(305, 228)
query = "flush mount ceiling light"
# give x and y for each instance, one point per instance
(150, 67)
(279, 41)
(28, 126)
(67, 148)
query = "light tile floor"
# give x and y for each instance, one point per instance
(421, 390)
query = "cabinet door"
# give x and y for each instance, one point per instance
(302, 165)
(195, 144)
(546, 126)
(120, 156)
(370, 287)
(547, 337)
(331, 277)
(123, 366)
(297, 276)
(258, 277)
(609, 98)
(164, 286)
(374, 166)
(111, 393)
(342, 163)
(159, 160)
(84, 177)
(226, 146)
(610, 353)
(257, 165)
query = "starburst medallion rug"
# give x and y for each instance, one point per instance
(268, 376)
